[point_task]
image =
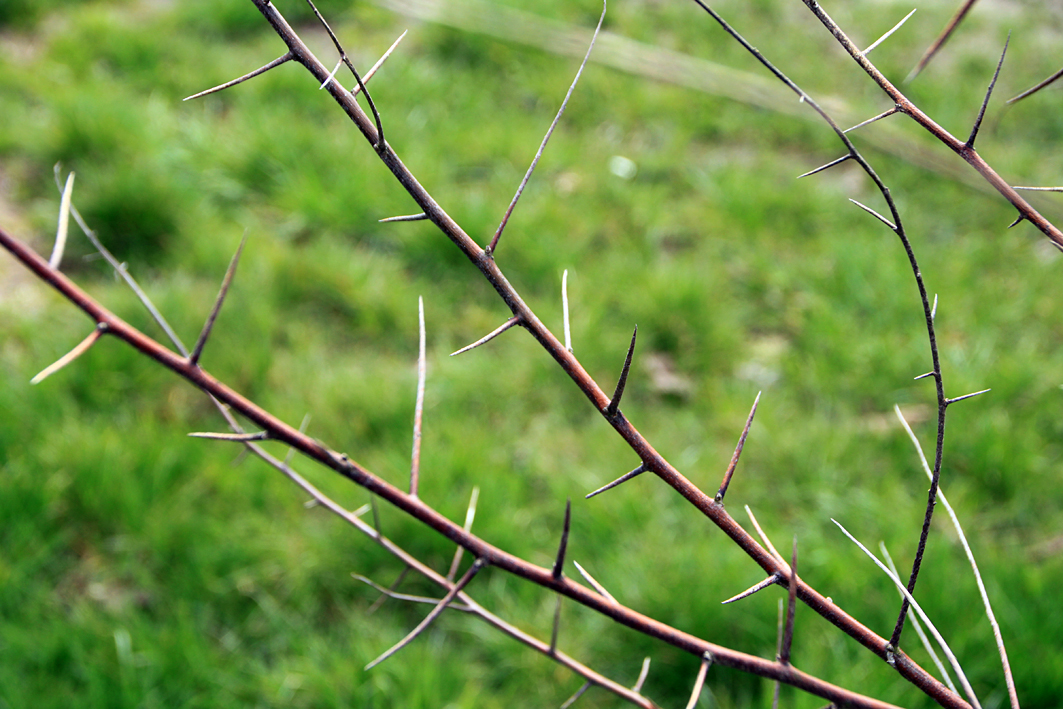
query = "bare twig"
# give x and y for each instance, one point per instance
(546, 138)
(442, 606)
(1009, 679)
(261, 70)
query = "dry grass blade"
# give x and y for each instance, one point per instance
(926, 620)
(942, 38)
(699, 682)
(70, 356)
(620, 480)
(197, 351)
(440, 607)
(550, 131)
(1032, 90)
(1008, 677)
(738, 452)
(64, 223)
(418, 410)
(886, 36)
(988, 94)
(515, 320)
(614, 403)
(261, 70)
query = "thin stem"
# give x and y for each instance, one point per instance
(546, 138)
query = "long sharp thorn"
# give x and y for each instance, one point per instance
(1035, 89)
(1040, 189)
(884, 37)
(386, 593)
(620, 480)
(236, 437)
(771, 580)
(829, 165)
(579, 693)
(764, 537)
(557, 626)
(591, 580)
(332, 75)
(470, 515)
(699, 682)
(988, 93)
(261, 70)
(1017, 220)
(564, 310)
(614, 403)
(379, 144)
(738, 452)
(193, 358)
(965, 396)
(515, 320)
(405, 218)
(559, 563)
(418, 411)
(542, 146)
(869, 121)
(791, 609)
(64, 223)
(379, 63)
(70, 356)
(454, 591)
(934, 308)
(940, 41)
(875, 214)
(643, 673)
(924, 376)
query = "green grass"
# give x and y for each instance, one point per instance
(139, 568)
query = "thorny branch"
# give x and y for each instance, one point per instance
(488, 555)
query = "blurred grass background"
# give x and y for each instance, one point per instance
(139, 568)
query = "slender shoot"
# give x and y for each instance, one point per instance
(550, 131)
